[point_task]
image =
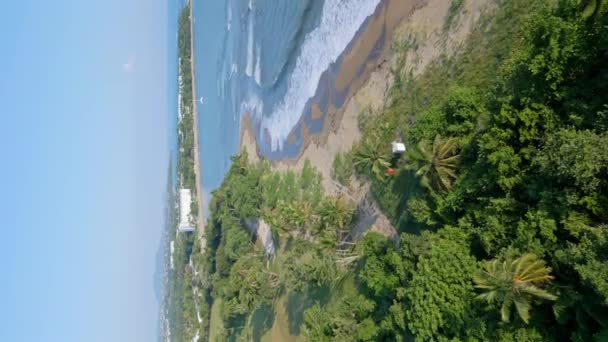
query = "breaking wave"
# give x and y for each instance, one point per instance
(340, 20)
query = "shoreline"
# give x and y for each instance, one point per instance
(197, 163)
(363, 77)
(367, 81)
(368, 51)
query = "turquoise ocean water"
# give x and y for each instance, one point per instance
(266, 58)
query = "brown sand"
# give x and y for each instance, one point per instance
(248, 143)
(316, 112)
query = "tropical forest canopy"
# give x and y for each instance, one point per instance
(501, 202)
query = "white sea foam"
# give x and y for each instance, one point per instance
(229, 19)
(250, 42)
(339, 23)
(254, 105)
(258, 66)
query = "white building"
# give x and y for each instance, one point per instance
(172, 250)
(185, 219)
(398, 148)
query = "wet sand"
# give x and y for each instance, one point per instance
(323, 111)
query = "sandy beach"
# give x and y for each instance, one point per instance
(364, 78)
(197, 162)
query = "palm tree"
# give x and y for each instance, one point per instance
(369, 157)
(435, 165)
(335, 214)
(514, 282)
(296, 214)
(593, 8)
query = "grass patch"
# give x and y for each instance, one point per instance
(216, 325)
(342, 168)
(453, 13)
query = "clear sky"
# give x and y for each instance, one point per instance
(84, 105)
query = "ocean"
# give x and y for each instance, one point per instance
(264, 58)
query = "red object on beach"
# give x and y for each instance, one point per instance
(390, 171)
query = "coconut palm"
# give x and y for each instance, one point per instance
(368, 157)
(592, 7)
(514, 282)
(335, 214)
(296, 214)
(435, 165)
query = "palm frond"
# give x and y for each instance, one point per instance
(505, 309)
(523, 306)
(537, 292)
(489, 297)
(513, 282)
(447, 148)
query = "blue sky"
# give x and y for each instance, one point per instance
(84, 106)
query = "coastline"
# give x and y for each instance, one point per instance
(339, 93)
(369, 48)
(197, 163)
(365, 76)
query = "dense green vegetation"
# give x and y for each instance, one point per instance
(342, 168)
(503, 195)
(185, 166)
(310, 232)
(501, 203)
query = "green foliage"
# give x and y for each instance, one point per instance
(588, 254)
(509, 333)
(382, 272)
(308, 228)
(187, 295)
(439, 296)
(370, 160)
(453, 12)
(306, 268)
(347, 322)
(419, 208)
(342, 168)
(576, 158)
(435, 165)
(521, 176)
(514, 282)
(593, 7)
(525, 99)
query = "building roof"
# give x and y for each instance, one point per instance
(185, 217)
(398, 147)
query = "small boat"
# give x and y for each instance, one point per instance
(201, 100)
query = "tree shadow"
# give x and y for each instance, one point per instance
(299, 302)
(262, 321)
(237, 324)
(407, 185)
